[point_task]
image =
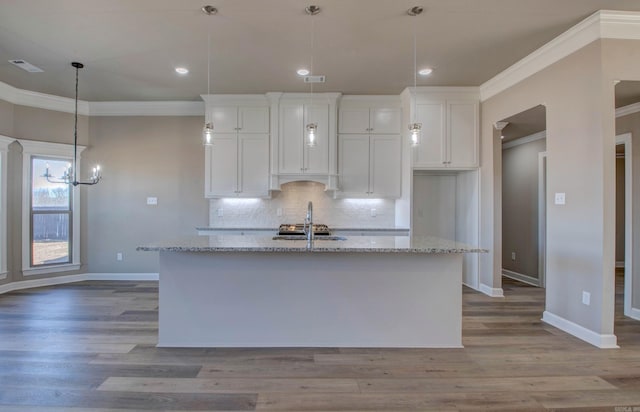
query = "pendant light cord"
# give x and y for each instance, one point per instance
(415, 69)
(75, 132)
(313, 31)
(209, 62)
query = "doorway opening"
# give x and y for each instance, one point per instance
(524, 142)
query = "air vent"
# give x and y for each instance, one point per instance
(26, 66)
(314, 79)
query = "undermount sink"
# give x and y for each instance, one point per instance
(304, 237)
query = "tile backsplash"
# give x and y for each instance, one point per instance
(291, 204)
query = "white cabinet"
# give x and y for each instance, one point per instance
(450, 133)
(245, 119)
(370, 165)
(295, 156)
(381, 120)
(237, 164)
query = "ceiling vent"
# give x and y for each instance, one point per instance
(314, 79)
(26, 66)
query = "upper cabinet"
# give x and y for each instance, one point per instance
(450, 129)
(369, 120)
(370, 147)
(237, 163)
(292, 158)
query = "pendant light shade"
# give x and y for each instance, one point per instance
(207, 134)
(70, 174)
(312, 129)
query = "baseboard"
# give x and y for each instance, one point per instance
(587, 335)
(635, 314)
(122, 276)
(620, 264)
(59, 280)
(3, 275)
(493, 292)
(529, 280)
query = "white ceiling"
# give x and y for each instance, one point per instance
(130, 47)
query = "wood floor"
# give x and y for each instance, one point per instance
(90, 346)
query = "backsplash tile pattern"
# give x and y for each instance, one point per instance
(292, 200)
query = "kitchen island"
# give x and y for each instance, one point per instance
(254, 291)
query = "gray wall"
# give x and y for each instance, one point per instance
(620, 198)
(520, 207)
(631, 124)
(161, 157)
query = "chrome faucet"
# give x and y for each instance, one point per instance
(308, 224)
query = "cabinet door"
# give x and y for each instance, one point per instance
(316, 159)
(224, 118)
(253, 158)
(291, 138)
(253, 119)
(353, 164)
(385, 120)
(354, 120)
(385, 170)
(462, 125)
(222, 166)
(431, 151)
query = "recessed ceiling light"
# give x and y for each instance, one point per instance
(425, 72)
(182, 70)
(303, 72)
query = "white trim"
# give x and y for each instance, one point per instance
(634, 314)
(5, 141)
(627, 110)
(529, 280)
(626, 140)
(43, 270)
(587, 335)
(493, 292)
(164, 108)
(41, 100)
(32, 148)
(524, 140)
(542, 219)
(602, 24)
(619, 264)
(59, 280)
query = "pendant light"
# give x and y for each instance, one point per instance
(415, 127)
(312, 128)
(207, 130)
(70, 175)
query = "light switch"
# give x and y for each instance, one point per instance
(373, 213)
(220, 213)
(586, 298)
(279, 211)
(152, 201)
(560, 199)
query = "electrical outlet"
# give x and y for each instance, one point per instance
(513, 255)
(153, 201)
(373, 213)
(586, 298)
(279, 211)
(220, 213)
(119, 256)
(560, 199)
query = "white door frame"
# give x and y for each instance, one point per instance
(625, 139)
(542, 219)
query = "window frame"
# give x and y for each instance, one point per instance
(5, 141)
(55, 151)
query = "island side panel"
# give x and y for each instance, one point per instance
(240, 299)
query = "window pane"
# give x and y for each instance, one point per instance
(50, 239)
(45, 195)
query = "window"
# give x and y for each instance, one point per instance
(50, 216)
(50, 213)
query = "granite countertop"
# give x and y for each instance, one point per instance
(275, 229)
(265, 243)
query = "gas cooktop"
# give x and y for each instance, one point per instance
(298, 229)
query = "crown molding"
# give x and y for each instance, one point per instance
(47, 148)
(41, 100)
(524, 140)
(603, 24)
(627, 110)
(161, 108)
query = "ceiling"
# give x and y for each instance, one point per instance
(131, 47)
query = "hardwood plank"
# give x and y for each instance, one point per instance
(228, 385)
